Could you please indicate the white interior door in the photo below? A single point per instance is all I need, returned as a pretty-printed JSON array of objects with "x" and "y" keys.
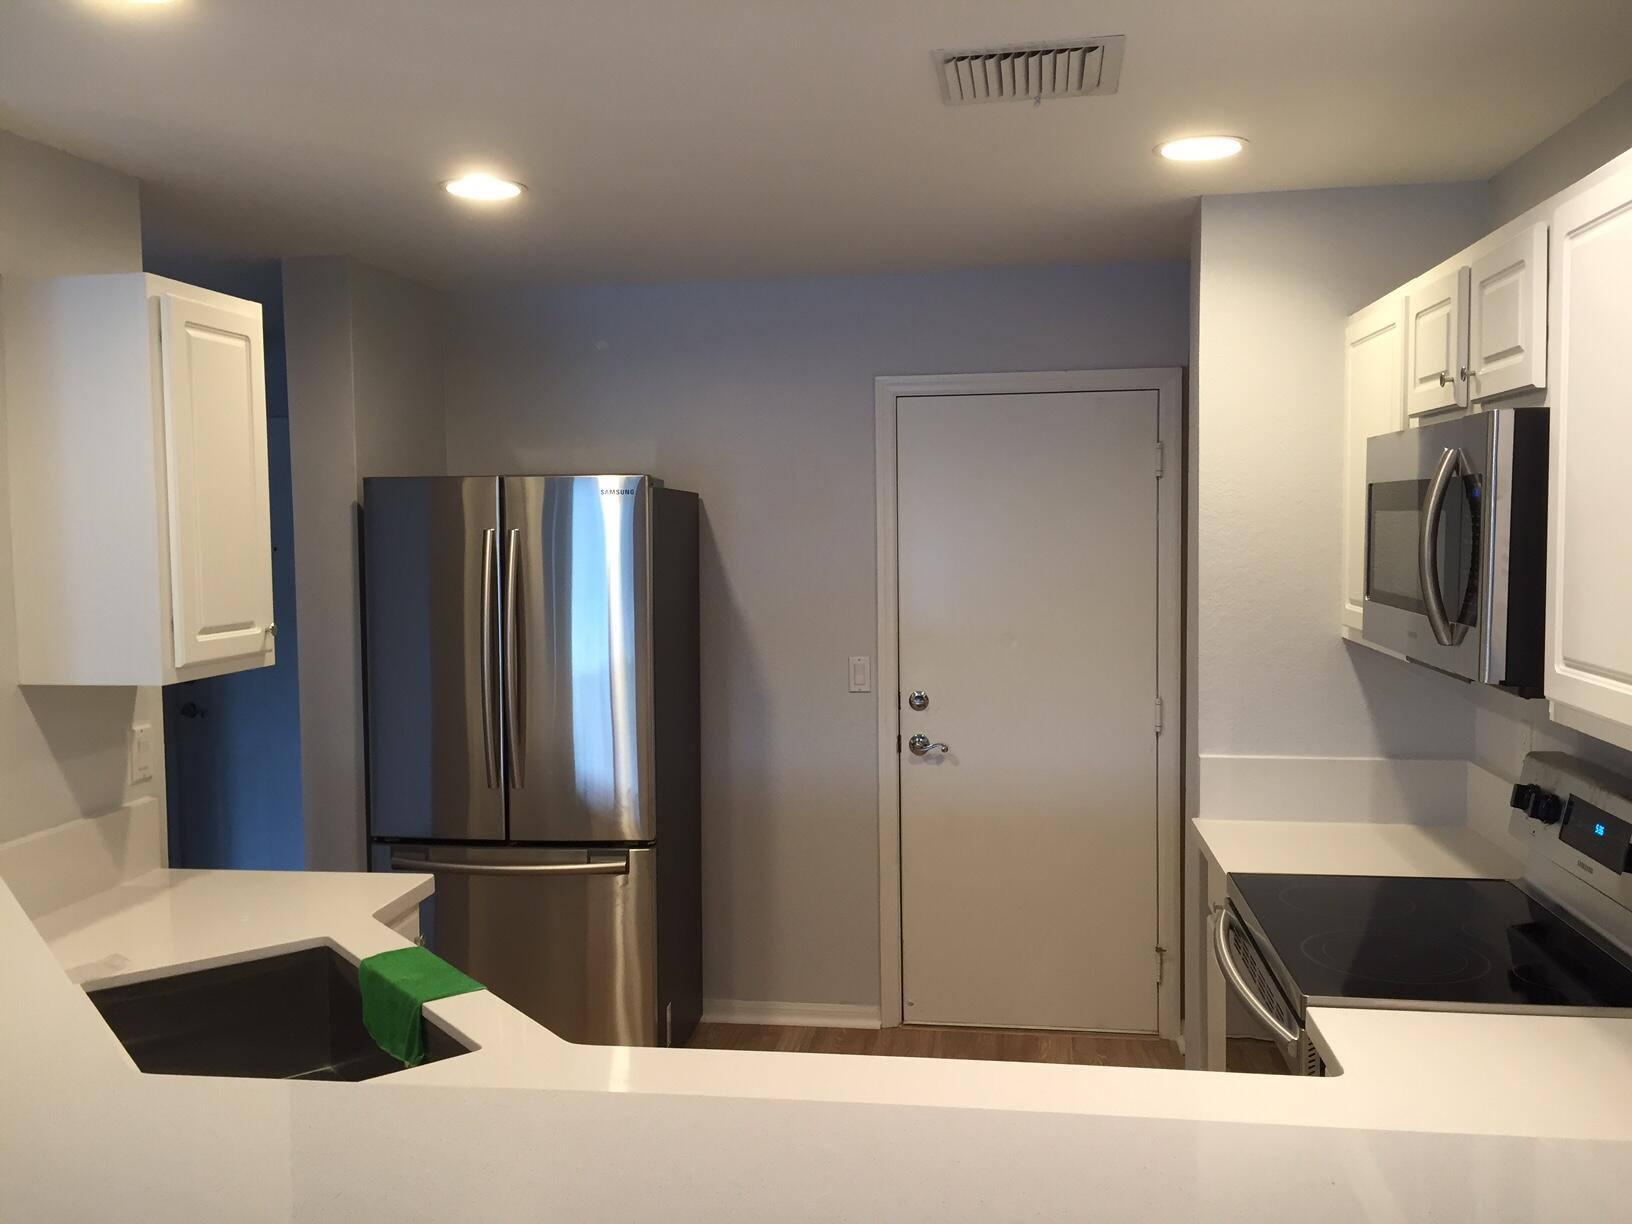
[
  {"x": 215, "y": 449},
  {"x": 1027, "y": 593}
]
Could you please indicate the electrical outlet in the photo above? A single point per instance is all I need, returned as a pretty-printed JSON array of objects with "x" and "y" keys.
[{"x": 141, "y": 752}]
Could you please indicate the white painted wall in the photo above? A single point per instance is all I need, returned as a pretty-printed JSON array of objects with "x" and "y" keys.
[
  {"x": 759, "y": 396},
  {"x": 365, "y": 351},
  {"x": 1278, "y": 275},
  {"x": 63, "y": 750}
]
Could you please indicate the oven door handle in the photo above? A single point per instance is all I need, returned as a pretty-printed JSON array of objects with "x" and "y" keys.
[
  {"x": 1222, "y": 918},
  {"x": 1433, "y": 510}
]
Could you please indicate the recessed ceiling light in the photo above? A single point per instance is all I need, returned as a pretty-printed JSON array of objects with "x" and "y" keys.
[
  {"x": 1201, "y": 148},
  {"x": 482, "y": 187}
]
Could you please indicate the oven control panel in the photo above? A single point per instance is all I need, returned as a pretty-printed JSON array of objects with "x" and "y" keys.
[
  {"x": 1601, "y": 836},
  {"x": 1578, "y": 816},
  {"x": 1538, "y": 803}
]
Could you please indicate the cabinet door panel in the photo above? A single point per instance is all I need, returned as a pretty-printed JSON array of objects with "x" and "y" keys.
[
  {"x": 1507, "y": 316},
  {"x": 1436, "y": 335},
  {"x": 215, "y": 447},
  {"x": 1590, "y": 552},
  {"x": 1374, "y": 403}
]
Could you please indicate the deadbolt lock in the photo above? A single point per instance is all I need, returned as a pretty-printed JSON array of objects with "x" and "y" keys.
[{"x": 919, "y": 700}]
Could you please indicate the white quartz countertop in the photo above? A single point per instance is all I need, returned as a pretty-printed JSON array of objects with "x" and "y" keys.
[
  {"x": 1341, "y": 848},
  {"x": 1434, "y": 1116}
]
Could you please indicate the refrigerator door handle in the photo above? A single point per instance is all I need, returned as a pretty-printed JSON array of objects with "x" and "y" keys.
[
  {"x": 490, "y": 616},
  {"x": 513, "y": 708},
  {"x": 617, "y": 866}
]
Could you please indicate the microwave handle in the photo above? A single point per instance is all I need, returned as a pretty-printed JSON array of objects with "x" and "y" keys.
[{"x": 1428, "y": 551}]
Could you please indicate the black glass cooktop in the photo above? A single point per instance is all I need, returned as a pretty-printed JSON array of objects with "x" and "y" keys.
[{"x": 1458, "y": 942}]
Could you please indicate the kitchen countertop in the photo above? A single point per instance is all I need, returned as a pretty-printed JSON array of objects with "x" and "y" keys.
[
  {"x": 1340, "y": 848},
  {"x": 1507, "y": 1116}
]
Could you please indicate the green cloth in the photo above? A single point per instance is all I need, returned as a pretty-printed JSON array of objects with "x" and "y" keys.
[{"x": 395, "y": 984}]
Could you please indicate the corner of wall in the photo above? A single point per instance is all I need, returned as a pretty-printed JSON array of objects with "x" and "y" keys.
[
  {"x": 1597, "y": 135},
  {"x": 63, "y": 750}
]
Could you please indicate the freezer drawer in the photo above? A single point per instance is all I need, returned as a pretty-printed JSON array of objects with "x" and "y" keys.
[{"x": 567, "y": 936}]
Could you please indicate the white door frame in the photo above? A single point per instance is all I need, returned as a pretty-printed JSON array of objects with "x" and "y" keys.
[{"x": 1168, "y": 383}]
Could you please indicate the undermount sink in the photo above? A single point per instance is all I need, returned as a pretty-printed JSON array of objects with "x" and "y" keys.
[{"x": 296, "y": 1015}]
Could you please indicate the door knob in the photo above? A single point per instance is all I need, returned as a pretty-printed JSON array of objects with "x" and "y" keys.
[{"x": 919, "y": 744}]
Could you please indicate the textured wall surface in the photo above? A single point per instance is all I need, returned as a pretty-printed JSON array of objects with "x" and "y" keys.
[{"x": 1278, "y": 276}]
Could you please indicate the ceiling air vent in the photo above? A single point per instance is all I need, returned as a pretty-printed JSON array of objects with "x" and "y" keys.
[{"x": 1030, "y": 71}]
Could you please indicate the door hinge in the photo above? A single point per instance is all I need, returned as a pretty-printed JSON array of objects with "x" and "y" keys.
[
  {"x": 1161, "y": 459},
  {"x": 1161, "y": 957},
  {"x": 1158, "y": 719}
]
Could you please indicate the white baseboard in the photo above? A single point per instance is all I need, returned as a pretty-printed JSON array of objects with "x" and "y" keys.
[
  {"x": 56, "y": 867},
  {"x": 815, "y": 1015}
]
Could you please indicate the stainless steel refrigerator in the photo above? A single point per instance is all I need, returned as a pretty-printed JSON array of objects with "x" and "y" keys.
[{"x": 532, "y": 680}]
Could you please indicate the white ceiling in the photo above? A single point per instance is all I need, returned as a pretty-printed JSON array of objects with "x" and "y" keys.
[{"x": 745, "y": 138}]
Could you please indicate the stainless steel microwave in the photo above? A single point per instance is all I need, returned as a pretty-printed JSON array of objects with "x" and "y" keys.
[{"x": 1456, "y": 546}]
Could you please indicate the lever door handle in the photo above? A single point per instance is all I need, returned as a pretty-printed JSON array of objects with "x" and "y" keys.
[{"x": 918, "y": 745}]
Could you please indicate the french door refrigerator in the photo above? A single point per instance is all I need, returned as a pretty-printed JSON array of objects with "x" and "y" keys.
[{"x": 532, "y": 680}]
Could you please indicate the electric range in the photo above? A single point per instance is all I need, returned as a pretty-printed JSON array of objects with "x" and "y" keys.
[{"x": 1290, "y": 942}]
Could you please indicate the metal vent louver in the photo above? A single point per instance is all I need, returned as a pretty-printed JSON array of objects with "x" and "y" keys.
[{"x": 1030, "y": 71}]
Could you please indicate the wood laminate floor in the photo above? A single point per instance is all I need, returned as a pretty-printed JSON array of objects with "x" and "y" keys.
[{"x": 1001, "y": 1045}]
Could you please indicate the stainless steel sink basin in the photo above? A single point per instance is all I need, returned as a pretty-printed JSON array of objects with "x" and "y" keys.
[{"x": 296, "y": 1015}]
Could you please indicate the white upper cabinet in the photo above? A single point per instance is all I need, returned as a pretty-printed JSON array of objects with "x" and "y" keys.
[
  {"x": 1507, "y": 316},
  {"x": 141, "y": 534},
  {"x": 215, "y": 452},
  {"x": 1436, "y": 359},
  {"x": 1589, "y": 554},
  {"x": 1373, "y": 403}
]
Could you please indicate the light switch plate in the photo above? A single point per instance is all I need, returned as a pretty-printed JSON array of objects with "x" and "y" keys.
[
  {"x": 141, "y": 752},
  {"x": 861, "y": 674}
]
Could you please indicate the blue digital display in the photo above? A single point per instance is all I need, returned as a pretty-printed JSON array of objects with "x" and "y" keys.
[{"x": 1602, "y": 836}]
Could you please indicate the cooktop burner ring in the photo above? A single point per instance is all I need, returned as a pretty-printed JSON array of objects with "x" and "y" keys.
[{"x": 1394, "y": 958}]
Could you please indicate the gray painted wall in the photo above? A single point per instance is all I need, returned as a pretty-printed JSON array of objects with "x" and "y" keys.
[
  {"x": 364, "y": 351},
  {"x": 1278, "y": 275},
  {"x": 62, "y": 750},
  {"x": 1580, "y": 146},
  {"x": 759, "y": 396}
]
